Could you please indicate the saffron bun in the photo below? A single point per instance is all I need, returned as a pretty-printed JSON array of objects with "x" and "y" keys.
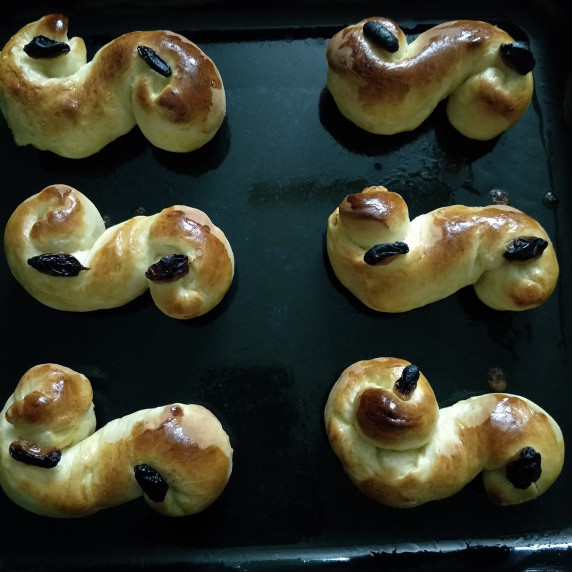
[
  {"x": 58, "y": 248},
  {"x": 54, "y": 463},
  {"x": 55, "y": 100},
  {"x": 400, "y": 449},
  {"x": 385, "y": 84},
  {"x": 394, "y": 264}
]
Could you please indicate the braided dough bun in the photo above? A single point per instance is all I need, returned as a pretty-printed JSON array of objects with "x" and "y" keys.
[
  {"x": 385, "y": 85},
  {"x": 393, "y": 264},
  {"x": 53, "y": 463},
  {"x": 59, "y": 250},
  {"x": 55, "y": 100},
  {"x": 400, "y": 449}
]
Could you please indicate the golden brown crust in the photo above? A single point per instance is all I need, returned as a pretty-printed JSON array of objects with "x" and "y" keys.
[
  {"x": 115, "y": 261},
  {"x": 385, "y": 93},
  {"x": 74, "y": 108},
  {"x": 383, "y": 414},
  {"x": 426, "y": 454},
  {"x": 50, "y": 394},
  {"x": 448, "y": 249},
  {"x": 185, "y": 444}
]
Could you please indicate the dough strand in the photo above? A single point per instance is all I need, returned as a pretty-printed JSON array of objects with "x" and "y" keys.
[
  {"x": 59, "y": 250},
  {"x": 394, "y": 264},
  {"x": 400, "y": 449},
  {"x": 54, "y": 463},
  {"x": 386, "y": 85},
  {"x": 55, "y": 100}
]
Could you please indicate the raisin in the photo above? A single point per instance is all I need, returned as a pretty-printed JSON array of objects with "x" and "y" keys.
[
  {"x": 154, "y": 61},
  {"x": 380, "y": 252},
  {"x": 525, "y": 248},
  {"x": 152, "y": 483},
  {"x": 407, "y": 383},
  {"x": 496, "y": 379},
  {"x": 35, "y": 455},
  {"x": 169, "y": 268},
  {"x": 518, "y": 57},
  {"x": 380, "y": 36},
  {"x": 499, "y": 197},
  {"x": 549, "y": 199},
  {"x": 525, "y": 469},
  {"x": 58, "y": 264},
  {"x": 44, "y": 47}
]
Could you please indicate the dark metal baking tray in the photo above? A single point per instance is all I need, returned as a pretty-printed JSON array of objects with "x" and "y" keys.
[{"x": 266, "y": 358}]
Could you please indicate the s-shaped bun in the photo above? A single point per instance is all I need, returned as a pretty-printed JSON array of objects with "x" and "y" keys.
[
  {"x": 386, "y": 85},
  {"x": 400, "y": 449},
  {"x": 55, "y": 100},
  {"x": 393, "y": 264},
  {"x": 59, "y": 250},
  {"x": 53, "y": 463}
]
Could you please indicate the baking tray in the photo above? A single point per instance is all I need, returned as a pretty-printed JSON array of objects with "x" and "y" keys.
[{"x": 265, "y": 359}]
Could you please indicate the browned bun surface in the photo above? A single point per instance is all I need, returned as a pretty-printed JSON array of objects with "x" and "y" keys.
[
  {"x": 58, "y": 248},
  {"x": 400, "y": 449},
  {"x": 386, "y": 85},
  {"x": 394, "y": 264},
  {"x": 54, "y": 463},
  {"x": 56, "y": 100}
]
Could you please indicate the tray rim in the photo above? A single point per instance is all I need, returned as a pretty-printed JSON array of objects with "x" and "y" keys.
[{"x": 518, "y": 547}]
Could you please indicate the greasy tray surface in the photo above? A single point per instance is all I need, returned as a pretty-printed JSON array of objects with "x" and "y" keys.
[{"x": 266, "y": 358}]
